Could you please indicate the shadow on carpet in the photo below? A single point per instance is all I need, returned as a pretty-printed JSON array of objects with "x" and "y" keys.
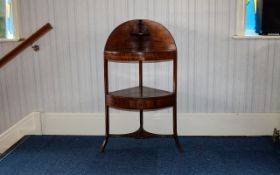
[{"x": 79, "y": 155}]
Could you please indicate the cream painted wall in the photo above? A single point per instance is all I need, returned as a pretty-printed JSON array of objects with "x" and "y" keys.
[{"x": 216, "y": 73}]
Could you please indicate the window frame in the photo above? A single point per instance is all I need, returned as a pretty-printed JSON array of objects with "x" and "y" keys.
[
  {"x": 241, "y": 18},
  {"x": 241, "y": 24},
  {"x": 15, "y": 11}
]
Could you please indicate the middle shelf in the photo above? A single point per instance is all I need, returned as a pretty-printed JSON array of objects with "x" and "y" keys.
[{"x": 133, "y": 98}]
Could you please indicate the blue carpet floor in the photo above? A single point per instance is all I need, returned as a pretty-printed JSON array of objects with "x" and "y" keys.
[{"x": 65, "y": 155}]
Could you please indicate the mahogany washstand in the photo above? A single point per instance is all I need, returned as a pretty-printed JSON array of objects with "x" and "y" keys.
[{"x": 140, "y": 41}]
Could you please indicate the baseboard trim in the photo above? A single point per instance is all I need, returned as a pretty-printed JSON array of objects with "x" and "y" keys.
[
  {"x": 29, "y": 125},
  {"x": 189, "y": 124}
]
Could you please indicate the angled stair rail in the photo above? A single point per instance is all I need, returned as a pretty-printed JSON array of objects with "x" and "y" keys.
[{"x": 25, "y": 43}]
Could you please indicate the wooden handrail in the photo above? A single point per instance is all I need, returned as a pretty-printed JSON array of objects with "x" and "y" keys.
[{"x": 26, "y": 43}]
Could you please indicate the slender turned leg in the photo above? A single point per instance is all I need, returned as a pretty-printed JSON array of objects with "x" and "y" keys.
[
  {"x": 179, "y": 146},
  {"x": 141, "y": 133},
  {"x": 102, "y": 148},
  {"x": 141, "y": 129}
]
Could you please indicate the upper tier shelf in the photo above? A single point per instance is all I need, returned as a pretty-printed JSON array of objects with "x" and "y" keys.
[{"x": 140, "y": 40}]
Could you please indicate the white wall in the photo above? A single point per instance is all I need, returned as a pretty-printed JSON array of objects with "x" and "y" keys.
[{"x": 216, "y": 73}]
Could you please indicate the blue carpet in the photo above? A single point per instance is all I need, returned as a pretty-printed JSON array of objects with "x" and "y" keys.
[{"x": 73, "y": 155}]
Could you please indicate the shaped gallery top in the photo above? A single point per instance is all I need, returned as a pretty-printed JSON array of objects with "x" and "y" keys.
[{"x": 140, "y": 40}]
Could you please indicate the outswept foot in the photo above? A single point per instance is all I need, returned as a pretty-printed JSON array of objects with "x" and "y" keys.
[
  {"x": 103, "y": 146},
  {"x": 178, "y": 144}
]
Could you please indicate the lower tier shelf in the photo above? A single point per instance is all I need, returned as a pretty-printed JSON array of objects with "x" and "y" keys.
[
  {"x": 141, "y": 134},
  {"x": 133, "y": 99}
]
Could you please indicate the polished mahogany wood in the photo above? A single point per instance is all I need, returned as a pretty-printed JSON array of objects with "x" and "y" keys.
[
  {"x": 136, "y": 56},
  {"x": 25, "y": 43},
  {"x": 140, "y": 41},
  {"x": 131, "y": 98}
]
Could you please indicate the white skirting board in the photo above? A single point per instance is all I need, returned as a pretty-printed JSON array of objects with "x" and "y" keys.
[
  {"x": 29, "y": 125},
  {"x": 189, "y": 124}
]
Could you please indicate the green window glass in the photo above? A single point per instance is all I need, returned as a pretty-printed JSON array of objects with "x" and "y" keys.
[
  {"x": 2, "y": 18},
  {"x": 6, "y": 19}
]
